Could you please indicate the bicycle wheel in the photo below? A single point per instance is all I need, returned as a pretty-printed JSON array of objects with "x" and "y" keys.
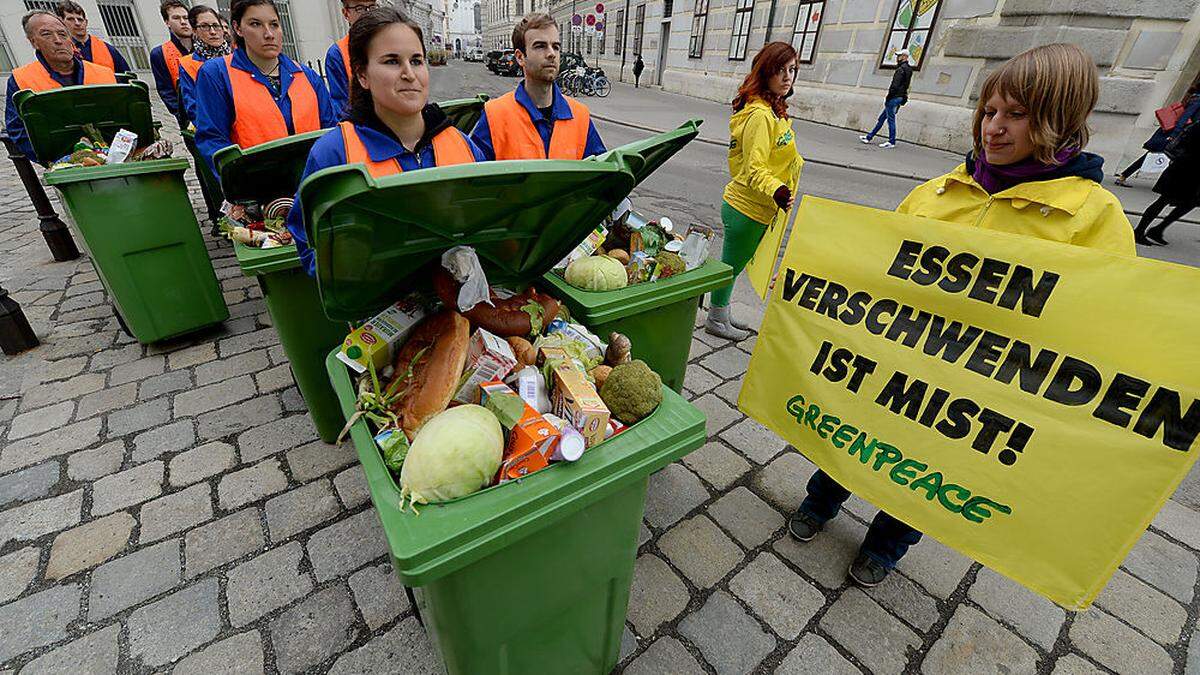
[
  {"x": 587, "y": 86},
  {"x": 603, "y": 87}
]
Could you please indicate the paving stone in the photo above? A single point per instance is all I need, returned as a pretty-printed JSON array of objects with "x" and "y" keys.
[
  {"x": 126, "y": 488},
  {"x": 224, "y": 369},
  {"x": 783, "y": 482},
  {"x": 92, "y": 654},
  {"x": 28, "y": 484},
  {"x": 250, "y": 485},
  {"x": 175, "y": 513},
  {"x": 17, "y": 570},
  {"x": 729, "y": 638},
  {"x": 87, "y": 345},
  {"x": 214, "y": 396},
  {"x": 266, "y": 583},
  {"x": 405, "y": 643},
  {"x": 266, "y": 337},
  {"x": 274, "y": 437},
  {"x": 201, "y": 462},
  {"x": 974, "y": 643},
  {"x": 351, "y": 486},
  {"x": 1193, "y": 654},
  {"x": 700, "y": 380},
  {"x": 717, "y": 464},
  {"x": 55, "y": 392},
  {"x": 698, "y": 349},
  {"x": 223, "y": 541},
  {"x": 89, "y": 545},
  {"x": 81, "y": 301},
  {"x": 64, "y": 368},
  {"x": 245, "y": 415},
  {"x": 629, "y": 645},
  {"x": 814, "y": 656},
  {"x": 96, "y": 462},
  {"x": 717, "y": 413},
  {"x": 41, "y": 420},
  {"x": 170, "y": 628},
  {"x": 166, "y": 439},
  {"x": 1164, "y": 565},
  {"x": 656, "y": 596},
  {"x": 346, "y": 545},
  {"x": 166, "y": 383},
  {"x": 937, "y": 568},
  {"x": 316, "y": 459},
  {"x": 241, "y": 654},
  {"x": 139, "y": 418},
  {"x": 777, "y": 595},
  {"x": 1117, "y": 646},
  {"x": 379, "y": 594},
  {"x": 314, "y": 630},
  {"x": 1033, "y": 616},
  {"x": 1179, "y": 522},
  {"x": 1073, "y": 664},
  {"x": 275, "y": 379},
  {"x": 855, "y": 616},
  {"x": 37, "y": 620},
  {"x": 700, "y": 550},
  {"x": 303, "y": 508},
  {"x": 672, "y": 494},
  {"x": 755, "y": 441},
  {"x": 644, "y": 534},
  {"x": 29, "y": 451},
  {"x": 114, "y": 357},
  {"x": 730, "y": 392},
  {"x": 904, "y": 598},
  {"x": 1137, "y": 603},
  {"x": 107, "y": 400},
  {"x": 665, "y": 657},
  {"x": 134, "y": 578},
  {"x": 827, "y": 557},
  {"x": 749, "y": 519},
  {"x": 32, "y": 520},
  {"x": 192, "y": 356},
  {"x": 292, "y": 400},
  {"x": 728, "y": 363},
  {"x": 137, "y": 370}
]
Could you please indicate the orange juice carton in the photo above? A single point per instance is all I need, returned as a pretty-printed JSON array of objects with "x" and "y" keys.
[
  {"x": 375, "y": 340},
  {"x": 576, "y": 401},
  {"x": 531, "y": 439},
  {"x": 488, "y": 358}
]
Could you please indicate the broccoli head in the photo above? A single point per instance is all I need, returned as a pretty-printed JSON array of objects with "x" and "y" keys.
[{"x": 632, "y": 391}]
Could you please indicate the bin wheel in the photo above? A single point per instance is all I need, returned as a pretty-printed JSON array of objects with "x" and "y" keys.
[{"x": 121, "y": 322}]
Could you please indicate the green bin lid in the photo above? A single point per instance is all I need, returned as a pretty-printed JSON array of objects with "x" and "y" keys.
[
  {"x": 370, "y": 236},
  {"x": 464, "y": 113},
  {"x": 55, "y": 118}
]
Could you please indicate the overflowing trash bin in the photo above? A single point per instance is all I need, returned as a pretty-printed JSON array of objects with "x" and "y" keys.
[
  {"x": 531, "y": 574},
  {"x": 135, "y": 218}
]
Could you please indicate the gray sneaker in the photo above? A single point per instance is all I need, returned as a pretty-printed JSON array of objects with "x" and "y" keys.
[
  {"x": 804, "y": 527},
  {"x": 867, "y": 573}
]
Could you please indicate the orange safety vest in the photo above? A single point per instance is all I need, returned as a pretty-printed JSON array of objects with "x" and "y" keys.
[
  {"x": 101, "y": 56},
  {"x": 515, "y": 137},
  {"x": 35, "y": 77},
  {"x": 256, "y": 117},
  {"x": 190, "y": 65},
  {"x": 449, "y": 147},
  {"x": 171, "y": 55},
  {"x": 344, "y": 47}
]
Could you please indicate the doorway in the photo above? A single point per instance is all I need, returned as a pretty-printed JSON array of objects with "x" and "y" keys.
[{"x": 664, "y": 40}]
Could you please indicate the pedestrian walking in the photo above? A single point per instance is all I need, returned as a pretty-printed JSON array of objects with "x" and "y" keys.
[
  {"x": 337, "y": 57},
  {"x": 897, "y": 96},
  {"x": 638, "y": 66},
  {"x": 164, "y": 59},
  {"x": 1027, "y": 175},
  {"x": 763, "y": 168},
  {"x": 1158, "y": 142},
  {"x": 392, "y": 126},
  {"x": 89, "y": 47},
  {"x": 1177, "y": 187},
  {"x": 209, "y": 44}
]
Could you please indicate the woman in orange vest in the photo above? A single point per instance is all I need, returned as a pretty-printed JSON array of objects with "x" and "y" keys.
[
  {"x": 256, "y": 94},
  {"x": 209, "y": 44},
  {"x": 392, "y": 127}
]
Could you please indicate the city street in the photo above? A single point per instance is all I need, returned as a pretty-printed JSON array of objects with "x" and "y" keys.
[{"x": 169, "y": 508}]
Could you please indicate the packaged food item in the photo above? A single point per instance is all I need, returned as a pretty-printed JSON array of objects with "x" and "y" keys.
[
  {"x": 488, "y": 358},
  {"x": 531, "y": 387},
  {"x": 378, "y": 338},
  {"x": 122, "y": 146},
  {"x": 570, "y": 446},
  {"x": 695, "y": 245},
  {"x": 639, "y": 268},
  {"x": 576, "y": 400},
  {"x": 592, "y": 346},
  {"x": 587, "y": 247},
  {"x": 552, "y": 357},
  {"x": 393, "y": 445},
  {"x": 531, "y": 439}
]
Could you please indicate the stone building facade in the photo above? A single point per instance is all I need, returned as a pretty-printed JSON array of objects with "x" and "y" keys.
[{"x": 1148, "y": 52}]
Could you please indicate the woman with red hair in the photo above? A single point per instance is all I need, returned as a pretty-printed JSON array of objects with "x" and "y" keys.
[{"x": 764, "y": 167}]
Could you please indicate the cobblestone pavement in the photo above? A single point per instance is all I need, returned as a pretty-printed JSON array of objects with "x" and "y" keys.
[{"x": 169, "y": 508}]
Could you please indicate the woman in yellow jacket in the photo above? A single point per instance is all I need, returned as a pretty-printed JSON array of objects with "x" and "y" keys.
[
  {"x": 764, "y": 166},
  {"x": 1027, "y": 175}
]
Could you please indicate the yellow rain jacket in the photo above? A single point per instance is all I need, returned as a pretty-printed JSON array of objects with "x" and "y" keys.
[
  {"x": 762, "y": 157},
  {"x": 1071, "y": 210}
]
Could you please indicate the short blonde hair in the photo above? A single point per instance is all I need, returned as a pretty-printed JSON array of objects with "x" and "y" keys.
[{"x": 1057, "y": 85}]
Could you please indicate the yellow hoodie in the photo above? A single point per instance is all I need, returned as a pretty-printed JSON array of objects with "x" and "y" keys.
[{"x": 762, "y": 157}]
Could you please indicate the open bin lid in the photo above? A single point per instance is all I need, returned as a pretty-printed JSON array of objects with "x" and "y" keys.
[
  {"x": 464, "y": 113},
  {"x": 55, "y": 118},
  {"x": 266, "y": 171},
  {"x": 644, "y": 157}
]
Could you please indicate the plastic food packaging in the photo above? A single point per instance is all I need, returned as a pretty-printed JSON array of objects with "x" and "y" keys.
[
  {"x": 531, "y": 439},
  {"x": 576, "y": 401},
  {"x": 122, "y": 146},
  {"x": 695, "y": 246},
  {"x": 587, "y": 247},
  {"x": 376, "y": 339},
  {"x": 463, "y": 264},
  {"x": 531, "y": 387},
  {"x": 570, "y": 447},
  {"x": 488, "y": 358}
]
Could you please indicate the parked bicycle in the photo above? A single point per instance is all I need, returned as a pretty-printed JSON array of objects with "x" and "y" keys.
[{"x": 584, "y": 81}]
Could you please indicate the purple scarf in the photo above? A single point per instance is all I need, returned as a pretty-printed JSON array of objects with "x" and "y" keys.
[{"x": 999, "y": 178}]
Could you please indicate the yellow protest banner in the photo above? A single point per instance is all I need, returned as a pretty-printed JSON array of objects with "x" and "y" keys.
[
  {"x": 1029, "y": 403},
  {"x": 761, "y": 266}
]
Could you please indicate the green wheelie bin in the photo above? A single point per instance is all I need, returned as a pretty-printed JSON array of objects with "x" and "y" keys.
[
  {"x": 210, "y": 187},
  {"x": 135, "y": 219},
  {"x": 531, "y": 576},
  {"x": 272, "y": 170}
]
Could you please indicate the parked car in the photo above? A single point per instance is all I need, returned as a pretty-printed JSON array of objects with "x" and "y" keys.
[
  {"x": 475, "y": 55},
  {"x": 492, "y": 60},
  {"x": 508, "y": 65}
]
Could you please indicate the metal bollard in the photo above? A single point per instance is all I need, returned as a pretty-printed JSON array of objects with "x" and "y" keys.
[
  {"x": 54, "y": 230},
  {"x": 15, "y": 333}
]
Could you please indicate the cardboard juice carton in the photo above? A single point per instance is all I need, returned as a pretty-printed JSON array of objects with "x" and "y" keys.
[
  {"x": 488, "y": 358},
  {"x": 531, "y": 438},
  {"x": 575, "y": 400},
  {"x": 375, "y": 340}
]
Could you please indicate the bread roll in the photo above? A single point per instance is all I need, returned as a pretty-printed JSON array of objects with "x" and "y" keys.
[{"x": 445, "y": 337}]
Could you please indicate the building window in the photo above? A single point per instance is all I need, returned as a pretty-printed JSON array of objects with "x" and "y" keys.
[
  {"x": 589, "y": 44},
  {"x": 520, "y": 7},
  {"x": 619, "y": 35},
  {"x": 603, "y": 39},
  {"x": 668, "y": 8},
  {"x": 699, "y": 26},
  {"x": 44, "y": 5},
  {"x": 6, "y": 58},
  {"x": 639, "y": 24},
  {"x": 741, "y": 30},
  {"x": 807, "y": 29},
  {"x": 120, "y": 21},
  {"x": 912, "y": 24}
]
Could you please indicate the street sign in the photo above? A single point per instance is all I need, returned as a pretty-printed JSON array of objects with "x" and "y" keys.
[
  {"x": 591, "y": 19},
  {"x": 577, "y": 20},
  {"x": 599, "y": 7},
  {"x": 577, "y": 30}
]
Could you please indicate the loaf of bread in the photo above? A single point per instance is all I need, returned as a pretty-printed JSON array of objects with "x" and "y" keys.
[{"x": 436, "y": 352}]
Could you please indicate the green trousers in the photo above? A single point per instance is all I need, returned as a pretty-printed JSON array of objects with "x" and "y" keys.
[{"x": 742, "y": 235}]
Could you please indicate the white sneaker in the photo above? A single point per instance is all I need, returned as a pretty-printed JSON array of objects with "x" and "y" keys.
[
  {"x": 864, "y": 139},
  {"x": 887, "y": 144}
]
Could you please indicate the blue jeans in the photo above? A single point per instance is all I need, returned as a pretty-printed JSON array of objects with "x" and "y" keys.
[
  {"x": 887, "y": 539},
  {"x": 889, "y": 115}
]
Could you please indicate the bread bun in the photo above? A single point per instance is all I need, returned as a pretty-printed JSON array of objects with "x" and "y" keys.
[{"x": 444, "y": 337}]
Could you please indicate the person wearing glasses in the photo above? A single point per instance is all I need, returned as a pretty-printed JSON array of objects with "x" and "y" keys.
[
  {"x": 164, "y": 59},
  {"x": 210, "y": 43},
  {"x": 337, "y": 58}
]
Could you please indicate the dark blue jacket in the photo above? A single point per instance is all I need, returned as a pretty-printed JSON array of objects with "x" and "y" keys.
[
  {"x": 12, "y": 119},
  {"x": 162, "y": 77}
]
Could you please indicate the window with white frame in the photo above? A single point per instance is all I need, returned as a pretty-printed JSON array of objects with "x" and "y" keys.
[
  {"x": 740, "y": 37},
  {"x": 699, "y": 27},
  {"x": 120, "y": 20},
  {"x": 911, "y": 28},
  {"x": 639, "y": 27},
  {"x": 807, "y": 29}
]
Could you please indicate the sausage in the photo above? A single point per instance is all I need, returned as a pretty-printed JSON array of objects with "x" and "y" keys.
[{"x": 505, "y": 318}]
